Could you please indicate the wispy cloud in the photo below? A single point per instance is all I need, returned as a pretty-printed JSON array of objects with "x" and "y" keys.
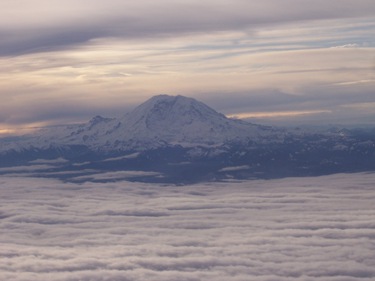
[
  {"x": 128, "y": 156},
  {"x": 29, "y": 168},
  {"x": 234, "y": 168},
  {"x": 59, "y": 160},
  {"x": 276, "y": 114},
  {"x": 118, "y": 175}
]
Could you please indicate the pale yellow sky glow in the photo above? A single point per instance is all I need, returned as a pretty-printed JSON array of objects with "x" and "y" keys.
[
  {"x": 7, "y": 131},
  {"x": 22, "y": 129},
  {"x": 237, "y": 62}
]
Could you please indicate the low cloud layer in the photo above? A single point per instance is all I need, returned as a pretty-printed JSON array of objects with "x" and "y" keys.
[{"x": 301, "y": 229}]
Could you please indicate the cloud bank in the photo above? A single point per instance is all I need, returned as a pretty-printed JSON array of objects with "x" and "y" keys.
[{"x": 300, "y": 229}]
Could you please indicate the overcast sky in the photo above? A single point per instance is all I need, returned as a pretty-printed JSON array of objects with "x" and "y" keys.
[{"x": 66, "y": 61}]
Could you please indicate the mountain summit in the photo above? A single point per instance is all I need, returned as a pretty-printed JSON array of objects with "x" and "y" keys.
[
  {"x": 182, "y": 120},
  {"x": 163, "y": 112}
]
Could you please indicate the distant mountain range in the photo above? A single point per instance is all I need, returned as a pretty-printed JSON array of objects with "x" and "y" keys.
[{"x": 177, "y": 139}]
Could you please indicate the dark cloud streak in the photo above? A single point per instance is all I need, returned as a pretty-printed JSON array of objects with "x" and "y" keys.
[{"x": 146, "y": 19}]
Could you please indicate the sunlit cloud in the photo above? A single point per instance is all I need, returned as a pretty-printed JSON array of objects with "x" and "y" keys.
[
  {"x": 7, "y": 131},
  {"x": 276, "y": 114},
  {"x": 355, "y": 82},
  {"x": 22, "y": 128}
]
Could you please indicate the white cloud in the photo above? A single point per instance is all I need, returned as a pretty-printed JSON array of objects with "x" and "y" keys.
[
  {"x": 59, "y": 160},
  {"x": 118, "y": 175},
  {"x": 128, "y": 156},
  {"x": 30, "y": 168},
  {"x": 234, "y": 168},
  {"x": 289, "y": 229},
  {"x": 353, "y": 45}
]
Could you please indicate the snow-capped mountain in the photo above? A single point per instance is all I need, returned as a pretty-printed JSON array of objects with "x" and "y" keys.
[
  {"x": 178, "y": 139},
  {"x": 162, "y": 120}
]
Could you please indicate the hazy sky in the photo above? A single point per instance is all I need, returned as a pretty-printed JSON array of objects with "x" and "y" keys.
[{"x": 65, "y": 61}]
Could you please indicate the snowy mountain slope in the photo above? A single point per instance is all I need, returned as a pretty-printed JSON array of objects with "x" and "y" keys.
[
  {"x": 162, "y": 120},
  {"x": 183, "y": 121}
]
